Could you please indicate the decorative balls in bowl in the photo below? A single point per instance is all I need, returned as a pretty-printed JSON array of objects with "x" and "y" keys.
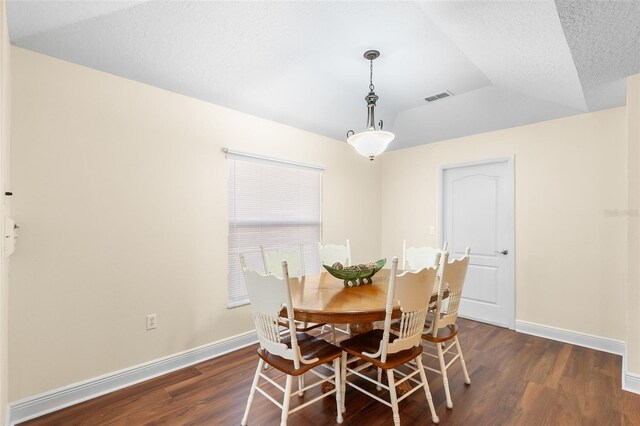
[{"x": 357, "y": 274}]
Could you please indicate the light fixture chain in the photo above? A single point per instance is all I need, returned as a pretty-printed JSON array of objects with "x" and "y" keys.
[{"x": 371, "y": 86}]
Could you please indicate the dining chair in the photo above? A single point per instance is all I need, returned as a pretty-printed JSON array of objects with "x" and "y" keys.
[
  {"x": 388, "y": 351},
  {"x": 332, "y": 253},
  {"x": 273, "y": 261},
  {"x": 329, "y": 255},
  {"x": 292, "y": 354},
  {"x": 441, "y": 329},
  {"x": 415, "y": 258}
]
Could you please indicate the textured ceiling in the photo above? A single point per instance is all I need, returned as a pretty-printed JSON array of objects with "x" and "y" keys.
[
  {"x": 604, "y": 38},
  {"x": 300, "y": 63}
]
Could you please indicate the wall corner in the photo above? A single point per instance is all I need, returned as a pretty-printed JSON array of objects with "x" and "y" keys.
[{"x": 632, "y": 296}]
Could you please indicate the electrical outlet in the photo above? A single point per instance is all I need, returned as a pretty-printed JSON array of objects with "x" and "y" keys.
[{"x": 152, "y": 321}]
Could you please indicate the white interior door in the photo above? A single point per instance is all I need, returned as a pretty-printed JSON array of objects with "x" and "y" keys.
[{"x": 477, "y": 211}]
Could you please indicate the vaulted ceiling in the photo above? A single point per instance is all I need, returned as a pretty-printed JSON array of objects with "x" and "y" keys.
[{"x": 508, "y": 63}]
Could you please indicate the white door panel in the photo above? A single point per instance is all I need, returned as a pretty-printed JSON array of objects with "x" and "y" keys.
[
  {"x": 477, "y": 211},
  {"x": 485, "y": 284},
  {"x": 473, "y": 207}
]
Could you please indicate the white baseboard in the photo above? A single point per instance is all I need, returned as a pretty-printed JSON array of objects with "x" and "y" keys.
[
  {"x": 56, "y": 399},
  {"x": 599, "y": 343},
  {"x": 631, "y": 382}
]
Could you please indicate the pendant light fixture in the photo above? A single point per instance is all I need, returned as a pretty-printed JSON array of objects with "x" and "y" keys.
[{"x": 370, "y": 142}]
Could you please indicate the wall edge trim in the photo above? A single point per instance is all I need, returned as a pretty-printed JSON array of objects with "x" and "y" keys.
[
  {"x": 590, "y": 341},
  {"x": 56, "y": 399}
]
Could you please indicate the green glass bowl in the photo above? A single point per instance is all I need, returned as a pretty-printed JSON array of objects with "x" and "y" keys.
[{"x": 355, "y": 278}]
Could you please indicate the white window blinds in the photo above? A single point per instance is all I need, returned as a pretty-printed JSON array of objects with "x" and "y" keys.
[{"x": 277, "y": 205}]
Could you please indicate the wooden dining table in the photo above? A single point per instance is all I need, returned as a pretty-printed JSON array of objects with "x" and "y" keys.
[{"x": 322, "y": 298}]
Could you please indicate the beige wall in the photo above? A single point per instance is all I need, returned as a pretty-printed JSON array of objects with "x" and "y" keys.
[
  {"x": 633, "y": 288},
  {"x": 570, "y": 257},
  {"x": 120, "y": 192},
  {"x": 5, "y": 120}
]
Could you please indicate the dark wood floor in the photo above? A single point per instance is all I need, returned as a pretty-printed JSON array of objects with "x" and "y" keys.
[{"x": 516, "y": 379}]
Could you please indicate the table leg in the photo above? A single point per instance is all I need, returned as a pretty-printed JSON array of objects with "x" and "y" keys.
[{"x": 359, "y": 328}]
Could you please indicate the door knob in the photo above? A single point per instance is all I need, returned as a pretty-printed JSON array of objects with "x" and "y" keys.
[{"x": 505, "y": 252}]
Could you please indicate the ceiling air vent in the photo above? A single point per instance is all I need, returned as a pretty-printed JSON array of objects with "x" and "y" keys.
[{"x": 438, "y": 96}]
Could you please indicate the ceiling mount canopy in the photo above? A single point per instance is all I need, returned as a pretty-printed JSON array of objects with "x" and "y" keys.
[
  {"x": 370, "y": 142},
  {"x": 370, "y": 55}
]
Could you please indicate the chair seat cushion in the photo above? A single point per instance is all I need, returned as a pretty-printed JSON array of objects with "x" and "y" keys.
[
  {"x": 444, "y": 334},
  {"x": 370, "y": 342},
  {"x": 310, "y": 347}
]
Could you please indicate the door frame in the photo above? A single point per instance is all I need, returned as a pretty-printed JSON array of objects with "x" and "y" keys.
[{"x": 510, "y": 182}]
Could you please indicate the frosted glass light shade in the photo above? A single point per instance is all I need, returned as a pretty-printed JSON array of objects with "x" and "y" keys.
[{"x": 371, "y": 142}]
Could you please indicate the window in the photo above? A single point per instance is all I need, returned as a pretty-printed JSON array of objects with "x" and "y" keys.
[{"x": 274, "y": 204}]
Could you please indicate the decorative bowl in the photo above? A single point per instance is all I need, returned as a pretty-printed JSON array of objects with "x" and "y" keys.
[{"x": 357, "y": 277}]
